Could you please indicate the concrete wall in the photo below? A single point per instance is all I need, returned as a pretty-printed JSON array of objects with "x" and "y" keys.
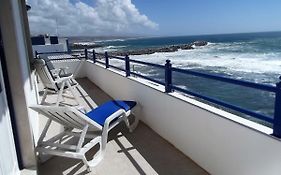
[
  {"x": 49, "y": 48},
  {"x": 221, "y": 143},
  {"x": 20, "y": 76},
  {"x": 73, "y": 66},
  {"x": 8, "y": 161}
]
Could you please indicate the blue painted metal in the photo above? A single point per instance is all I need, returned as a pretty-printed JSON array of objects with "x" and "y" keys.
[
  {"x": 36, "y": 54},
  {"x": 101, "y": 54},
  {"x": 38, "y": 40},
  {"x": 277, "y": 112},
  {"x": 227, "y": 80},
  {"x": 64, "y": 52},
  {"x": 54, "y": 40},
  {"x": 118, "y": 68},
  {"x": 147, "y": 78},
  {"x": 86, "y": 54},
  {"x": 168, "y": 76},
  {"x": 227, "y": 105},
  {"x": 127, "y": 65},
  {"x": 106, "y": 60},
  {"x": 118, "y": 58},
  {"x": 148, "y": 64},
  {"x": 67, "y": 46},
  {"x": 169, "y": 87},
  {"x": 97, "y": 61},
  {"x": 94, "y": 56}
]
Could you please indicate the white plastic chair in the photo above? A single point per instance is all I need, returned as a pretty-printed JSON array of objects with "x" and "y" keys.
[
  {"x": 55, "y": 83},
  {"x": 77, "y": 124}
]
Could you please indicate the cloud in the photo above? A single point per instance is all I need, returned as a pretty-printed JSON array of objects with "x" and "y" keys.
[{"x": 106, "y": 17}]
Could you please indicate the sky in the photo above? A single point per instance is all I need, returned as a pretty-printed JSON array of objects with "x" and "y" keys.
[{"x": 153, "y": 17}]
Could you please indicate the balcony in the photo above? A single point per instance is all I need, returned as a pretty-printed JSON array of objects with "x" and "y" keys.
[
  {"x": 140, "y": 152},
  {"x": 177, "y": 135}
]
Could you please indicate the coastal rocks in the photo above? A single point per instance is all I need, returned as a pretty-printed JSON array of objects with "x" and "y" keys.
[
  {"x": 200, "y": 43},
  {"x": 172, "y": 48},
  {"x": 84, "y": 45},
  {"x": 186, "y": 47}
]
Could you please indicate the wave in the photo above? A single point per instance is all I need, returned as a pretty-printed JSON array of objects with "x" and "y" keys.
[
  {"x": 115, "y": 47},
  {"x": 220, "y": 56},
  {"x": 110, "y": 40},
  {"x": 84, "y": 43}
]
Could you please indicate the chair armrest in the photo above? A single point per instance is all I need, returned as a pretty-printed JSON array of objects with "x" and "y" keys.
[
  {"x": 63, "y": 79},
  {"x": 55, "y": 72},
  {"x": 115, "y": 115},
  {"x": 59, "y": 71},
  {"x": 63, "y": 70}
]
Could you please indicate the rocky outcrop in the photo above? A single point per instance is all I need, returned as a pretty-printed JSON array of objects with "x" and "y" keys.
[
  {"x": 145, "y": 51},
  {"x": 84, "y": 46},
  {"x": 200, "y": 43},
  {"x": 172, "y": 48}
]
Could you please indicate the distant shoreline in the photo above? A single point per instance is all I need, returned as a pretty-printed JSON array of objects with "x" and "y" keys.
[
  {"x": 142, "y": 51},
  {"x": 173, "y": 48}
]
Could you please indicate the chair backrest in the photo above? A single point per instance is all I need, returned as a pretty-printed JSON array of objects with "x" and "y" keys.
[
  {"x": 45, "y": 74},
  {"x": 66, "y": 116}
]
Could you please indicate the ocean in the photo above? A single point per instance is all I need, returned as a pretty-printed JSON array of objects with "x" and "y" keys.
[{"x": 254, "y": 57}]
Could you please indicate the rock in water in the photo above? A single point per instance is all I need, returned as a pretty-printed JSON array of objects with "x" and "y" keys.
[{"x": 200, "y": 43}]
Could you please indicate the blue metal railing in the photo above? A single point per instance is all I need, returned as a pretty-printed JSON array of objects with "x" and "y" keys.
[{"x": 169, "y": 87}]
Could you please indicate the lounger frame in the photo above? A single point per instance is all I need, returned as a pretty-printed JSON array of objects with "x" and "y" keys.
[
  {"x": 77, "y": 124},
  {"x": 54, "y": 85}
]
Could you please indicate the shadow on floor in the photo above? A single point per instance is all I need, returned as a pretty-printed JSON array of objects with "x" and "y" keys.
[{"x": 140, "y": 152}]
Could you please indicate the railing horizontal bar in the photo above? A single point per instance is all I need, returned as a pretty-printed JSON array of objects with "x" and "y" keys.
[
  {"x": 102, "y": 54},
  {"x": 148, "y": 64},
  {"x": 97, "y": 61},
  {"x": 227, "y": 105},
  {"x": 147, "y": 78},
  {"x": 115, "y": 67},
  {"x": 264, "y": 87},
  {"x": 61, "y": 59},
  {"x": 115, "y": 57},
  {"x": 52, "y": 52}
]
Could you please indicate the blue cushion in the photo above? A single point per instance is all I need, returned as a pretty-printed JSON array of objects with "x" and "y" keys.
[{"x": 101, "y": 113}]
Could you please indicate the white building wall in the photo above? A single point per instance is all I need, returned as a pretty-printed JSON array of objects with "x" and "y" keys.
[
  {"x": 20, "y": 76},
  {"x": 49, "y": 48},
  {"x": 73, "y": 66},
  {"x": 221, "y": 143},
  {"x": 8, "y": 161}
]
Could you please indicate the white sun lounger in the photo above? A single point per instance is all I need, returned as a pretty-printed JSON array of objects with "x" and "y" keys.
[
  {"x": 56, "y": 84},
  {"x": 77, "y": 124}
]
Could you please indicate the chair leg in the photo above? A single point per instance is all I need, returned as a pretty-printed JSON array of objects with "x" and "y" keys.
[
  {"x": 86, "y": 163},
  {"x": 72, "y": 91},
  {"x": 60, "y": 93},
  {"x": 44, "y": 96},
  {"x": 97, "y": 157},
  {"x": 132, "y": 126}
]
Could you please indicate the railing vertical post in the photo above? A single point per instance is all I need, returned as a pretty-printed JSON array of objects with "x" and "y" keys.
[
  {"x": 277, "y": 111},
  {"x": 127, "y": 65},
  {"x": 67, "y": 46},
  {"x": 94, "y": 56},
  {"x": 36, "y": 54},
  {"x": 86, "y": 54},
  {"x": 168, "y": 76},
  {"x": 106, "y": 60}
]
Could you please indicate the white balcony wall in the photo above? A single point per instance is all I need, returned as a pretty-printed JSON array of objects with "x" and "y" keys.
[
  {"x": 214, "y": 139},
  {"x": 73, "y": 66},
  {"x": 49, "y": 48}
]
